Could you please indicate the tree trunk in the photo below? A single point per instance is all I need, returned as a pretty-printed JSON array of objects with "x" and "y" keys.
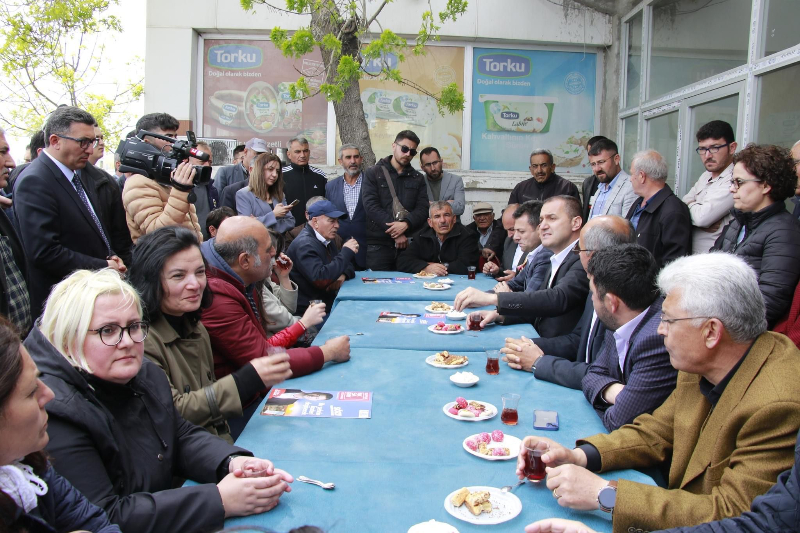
[{"x": 349, "y": 110}]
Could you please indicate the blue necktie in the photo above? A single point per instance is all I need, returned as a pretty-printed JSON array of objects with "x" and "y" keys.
[{"x": 85, "y": 199}]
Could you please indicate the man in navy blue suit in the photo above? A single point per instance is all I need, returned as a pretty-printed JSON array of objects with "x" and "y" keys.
[
  {"x": 632, "y": 373},
  {"x": 345, "y": 193}
]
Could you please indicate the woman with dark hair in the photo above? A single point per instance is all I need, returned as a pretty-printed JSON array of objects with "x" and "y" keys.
[
  {"x": 169, "y": 272},
  {"x": 33, "y": 497},
  {"x": 762, "y": 231},
  {"x": 117, "y": 437},
  {"x": 263, "y": 197}
]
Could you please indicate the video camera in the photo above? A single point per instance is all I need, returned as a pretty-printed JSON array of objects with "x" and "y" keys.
[{"x": 139, "y": 157}]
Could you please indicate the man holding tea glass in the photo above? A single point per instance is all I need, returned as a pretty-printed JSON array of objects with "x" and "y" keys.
[{"x": 725, "y": 433}]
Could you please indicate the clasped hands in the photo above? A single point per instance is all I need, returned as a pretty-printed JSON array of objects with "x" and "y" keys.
[
  {"x": 572, "y": 484},
  {"x": 243, "y": 495},
  {"x": 397, "y": 232}
]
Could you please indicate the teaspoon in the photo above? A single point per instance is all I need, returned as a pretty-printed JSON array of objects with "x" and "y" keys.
[{"x": 304, "y": 479}]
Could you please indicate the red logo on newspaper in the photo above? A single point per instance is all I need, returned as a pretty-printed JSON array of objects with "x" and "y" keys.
[{"x": 352, "y": 396}]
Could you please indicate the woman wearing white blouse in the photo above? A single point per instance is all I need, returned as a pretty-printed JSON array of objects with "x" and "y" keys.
[{"x": 263, "y": 198}]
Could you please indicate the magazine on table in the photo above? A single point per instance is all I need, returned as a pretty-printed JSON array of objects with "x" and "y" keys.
[{"x": 313, "y": 403}]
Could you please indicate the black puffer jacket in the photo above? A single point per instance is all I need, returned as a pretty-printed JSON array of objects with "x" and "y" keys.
[
  {"x": 411, "y": 191},
  {"x": 459, "y": 250},
  {"x": 771, "y": 245},
  {"x": 122, "y": 445}
]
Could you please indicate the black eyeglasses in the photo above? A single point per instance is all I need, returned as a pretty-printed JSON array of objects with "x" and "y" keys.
[
  {"x": 577, "y": 248},
  {"x": 737, "y": 182},
  {"x": 406, "y": 150},
  {"x": 426, "y": 165},
  {"x": 670, "y": 321},
  {"x": 84, "y": 143},
  {"x": 702, "y": 150},
  {"x": 111, "y": 334}
]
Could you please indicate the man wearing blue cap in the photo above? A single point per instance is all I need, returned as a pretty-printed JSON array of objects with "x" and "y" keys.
[{"x": 319, "y": 267}]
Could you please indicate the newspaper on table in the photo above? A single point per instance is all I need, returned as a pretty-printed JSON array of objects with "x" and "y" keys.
[{"x": 318, "y": 403}]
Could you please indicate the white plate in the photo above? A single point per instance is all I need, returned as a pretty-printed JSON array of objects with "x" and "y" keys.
[
  {"x": 460, "y": 330},
  {"x": 509, "y": 441},
  {"x": 457, "y": 315},
  {"x": 424, "y": 277},
  {"x": 430, "y": 309},
  {"x": 442, "y": 288},
  {"x": 489, "y": 412},
  {"x": 432, "y": 526},
  {"x": 430, "y": 358},
  {"x": 505, "y": 506}
]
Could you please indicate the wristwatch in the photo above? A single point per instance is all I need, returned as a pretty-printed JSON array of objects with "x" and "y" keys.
[
  {"x": 533, "y": 365},
  {"x": 607, "y": 497}
]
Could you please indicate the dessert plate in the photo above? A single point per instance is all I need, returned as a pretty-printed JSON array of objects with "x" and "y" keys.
[
  {"x": 489, "y": 412},
  {"x": 430, "y": 359},
  {"x": 432, "y": 329},
  {"x": 430, "y": 309},
  {"x": 424, "y": 276},
  {"x": 509, "y": 441},
  {"x": 436, "y": 286},
  {"x": 505, "y": 506}
]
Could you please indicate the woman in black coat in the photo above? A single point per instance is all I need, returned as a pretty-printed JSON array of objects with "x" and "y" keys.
[
  {"x": 116, "y": 435},
  {"x": 762, "y": 232},
  {"x": 33, "y": 497}
]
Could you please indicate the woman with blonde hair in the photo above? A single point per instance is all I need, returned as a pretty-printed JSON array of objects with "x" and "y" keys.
[
  {"x": 116, "y": 435},
  {"x": 263, "y": 198}
]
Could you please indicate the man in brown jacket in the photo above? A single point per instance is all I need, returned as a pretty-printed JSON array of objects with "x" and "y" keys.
[{"x": 727, "y": 430}]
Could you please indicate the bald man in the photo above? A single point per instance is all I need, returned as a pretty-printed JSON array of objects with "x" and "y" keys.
[
  {"x": 240, "y": 257},
  {"x": 565, "y": 359}
]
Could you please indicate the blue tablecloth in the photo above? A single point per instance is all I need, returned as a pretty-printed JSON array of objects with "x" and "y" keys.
[
  {"x": 356, "y": 289},
  {"x": 359, "y": 320},
  {"x": 395, "y": 469}
]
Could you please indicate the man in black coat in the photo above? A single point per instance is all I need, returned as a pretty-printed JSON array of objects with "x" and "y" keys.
[
  {"x": 491, "y": 235},
  {"x": 662, "y": 221},
  {"x": 301, "y": 181},
  {"x": 57, "y": 207},
  {"x": 111, "y": 212},
  {"x": 557, "y": 306},
  {"x": 545, "y": 183},
  {"x": 15, "y": 301},
  {"x": 387, "y": 230},
  {"x": 319, "y": 267},
  {"x": 565, "y": 359},
  {"x": 443, "y": 241}
]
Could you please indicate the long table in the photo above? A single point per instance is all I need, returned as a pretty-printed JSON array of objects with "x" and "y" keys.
[
  {"x": 356, "y": 289},
  {"x": 358, "y": 318},
  {"x": 396, "y": 469}
]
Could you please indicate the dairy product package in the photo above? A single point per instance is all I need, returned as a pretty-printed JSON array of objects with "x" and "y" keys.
[
  {"x": 291, "y": 112},
  {"x": 525, "y": 114},
  {"x": 399, "y": 106}
]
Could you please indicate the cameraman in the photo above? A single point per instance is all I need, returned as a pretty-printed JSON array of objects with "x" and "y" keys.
[{"x": 150, "y": 205}]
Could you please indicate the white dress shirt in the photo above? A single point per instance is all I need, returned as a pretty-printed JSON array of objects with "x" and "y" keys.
[
  {"x": 622, "y": 337},
  {"x": 557, "y": 259}
]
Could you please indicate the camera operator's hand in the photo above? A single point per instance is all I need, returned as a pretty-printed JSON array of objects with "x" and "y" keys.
[{"x": 184, "y": 174}]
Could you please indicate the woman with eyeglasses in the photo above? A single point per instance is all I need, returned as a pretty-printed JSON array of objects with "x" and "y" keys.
[
  {"x": 115, "y": 433},
  {"x": 33, "y": 497},
  {"x": 762, "y": 231},
  {"x": 263, "y": 197},
  {"x": 169, "y": 272}
]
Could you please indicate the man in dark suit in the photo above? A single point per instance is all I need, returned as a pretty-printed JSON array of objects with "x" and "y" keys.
[
  {"x": 513, "y": 256},
  {"x": 15, "y": 301},
  {"x": 345, "y": 193},
  {"x": 537, "y": 260},
  {"x": 558, "y": 304},
  {"x": 565, "y": 359},
  {"x": 57, "y": 207},
  {"x": 632, "y": 374},
  {"x": 663, "y": 222},
  {"x": 110, "y": 211}
]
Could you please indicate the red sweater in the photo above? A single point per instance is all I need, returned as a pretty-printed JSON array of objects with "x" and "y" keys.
[{"x": 237, "y": 335}]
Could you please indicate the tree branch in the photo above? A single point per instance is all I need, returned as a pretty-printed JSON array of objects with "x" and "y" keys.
[{"x": 377, "y": 12}]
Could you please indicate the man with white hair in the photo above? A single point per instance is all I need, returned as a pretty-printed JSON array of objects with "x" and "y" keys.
[
  {"x": 345, "y": 193},
  {"x": 726, "y": 432},
  {"x": 662, "y": 221}
]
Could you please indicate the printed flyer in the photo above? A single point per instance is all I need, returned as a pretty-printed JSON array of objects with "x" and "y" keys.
[
  {"x": 246, "y": 95},
  {"x": 528, "y": 99},
  {"x": 387, "y": 280},
  {"x": 392, "y": 317},
  {"x": 318, "y": 404}
]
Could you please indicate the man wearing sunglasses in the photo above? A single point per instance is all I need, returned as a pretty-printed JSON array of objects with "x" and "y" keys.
[
  {"x": 388, "y": 224},
  {"x": 709, "y": 200},
  {"x": 58, "y": 210}
]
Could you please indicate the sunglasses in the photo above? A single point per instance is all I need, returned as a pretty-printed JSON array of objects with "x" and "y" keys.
[{"x": 406, "y": 150}]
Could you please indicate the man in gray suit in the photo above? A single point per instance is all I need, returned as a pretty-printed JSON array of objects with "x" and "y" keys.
[
  {"x": 614, "y": 194},
  {"x": 442, "y": 185}
]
